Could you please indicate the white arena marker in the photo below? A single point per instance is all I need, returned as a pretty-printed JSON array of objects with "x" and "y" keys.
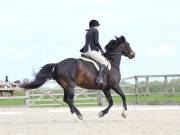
[{"x": 10, "y": 113}]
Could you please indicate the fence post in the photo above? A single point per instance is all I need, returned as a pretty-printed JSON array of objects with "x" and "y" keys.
[
  {"x": 147, "y": 85},
  {"x": 173, "y": 91},
  {"x": 166, "y": 84},
  {"x": 136, "y": 89},
  {"x": 100, "y": 98},
  {"x": 27, "y": 99},
  {"x": 26, "y": 93}
]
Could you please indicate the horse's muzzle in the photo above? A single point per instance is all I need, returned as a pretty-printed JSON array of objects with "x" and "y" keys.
[{"x": 132, "y": 54}]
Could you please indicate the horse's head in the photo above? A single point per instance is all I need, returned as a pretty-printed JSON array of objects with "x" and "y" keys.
[{"x": 120, "y": 46}]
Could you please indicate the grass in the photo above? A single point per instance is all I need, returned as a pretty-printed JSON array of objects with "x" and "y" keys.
[
  {"x": 159, "y": 99},
  {"x": 7, "y": 102},
  {"x": 144, "y": 100},
  {"x": 151, "y": 100}
]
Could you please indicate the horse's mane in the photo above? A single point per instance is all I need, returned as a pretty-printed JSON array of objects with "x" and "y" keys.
[
  {"x": 110, "y": 45},
  {"x": 114, "y": 43}
]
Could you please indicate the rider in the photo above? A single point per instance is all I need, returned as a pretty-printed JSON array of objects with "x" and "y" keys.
[
  {"x": 92, "y": 48},
  {"x": 6, "y": 79}
]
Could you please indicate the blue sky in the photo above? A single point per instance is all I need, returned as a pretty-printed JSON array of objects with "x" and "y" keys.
[{"x": 37, "y": 32}]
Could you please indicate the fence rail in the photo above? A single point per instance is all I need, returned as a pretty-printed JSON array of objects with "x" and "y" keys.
[
  {"x": 147, "y": 78},
  {"x": 38, "y": 97}
]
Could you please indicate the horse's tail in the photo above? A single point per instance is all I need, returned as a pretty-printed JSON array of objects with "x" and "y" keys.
[{"x": 46, "y": 73}]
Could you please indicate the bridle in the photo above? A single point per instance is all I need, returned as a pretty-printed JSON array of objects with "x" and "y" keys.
[
  {"x": 120, "y": 52},
  {"x": 116, "y": 53}
]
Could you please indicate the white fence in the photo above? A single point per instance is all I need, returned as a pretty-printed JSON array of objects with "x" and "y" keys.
[{"x": 54, "y": 96}]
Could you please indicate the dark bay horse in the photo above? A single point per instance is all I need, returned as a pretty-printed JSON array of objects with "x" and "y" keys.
[{"x": 71, "y": 72}]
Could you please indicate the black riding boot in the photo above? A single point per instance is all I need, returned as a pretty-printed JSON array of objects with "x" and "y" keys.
[{"x": 100, "y": 77}]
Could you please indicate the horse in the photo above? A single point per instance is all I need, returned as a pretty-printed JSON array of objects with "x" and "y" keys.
[
  {"x": 8, "y": 85},
  {"x": 73, "y": 72}
]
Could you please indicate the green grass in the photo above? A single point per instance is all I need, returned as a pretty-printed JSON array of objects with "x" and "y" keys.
[
  {"x": 149, "y": 100},
  {"x": 159, "y": 99},
  {"x": 7, "y": 102}
]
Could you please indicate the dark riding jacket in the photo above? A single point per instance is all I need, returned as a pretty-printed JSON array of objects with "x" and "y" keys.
[{"x": 92, "y": 41}]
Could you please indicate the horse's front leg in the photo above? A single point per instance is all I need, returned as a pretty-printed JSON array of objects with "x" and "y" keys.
[
  {"x": 107, "y": 93},
  {"x": 118, "y": 90}
]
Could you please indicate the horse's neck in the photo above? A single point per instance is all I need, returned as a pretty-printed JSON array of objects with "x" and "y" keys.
[{"x": 115, "y": 60}]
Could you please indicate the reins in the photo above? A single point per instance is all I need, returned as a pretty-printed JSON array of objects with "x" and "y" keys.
[
  {"x": 116, "y": 53},
  {"x": 113, "y": 63}
]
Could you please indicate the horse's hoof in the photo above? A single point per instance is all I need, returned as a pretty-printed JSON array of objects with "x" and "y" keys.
[
  {"x": 80, "y": 117},
  {"x": 76, "y": 118},
  {"x": 124, "y": 114},
  {"x": 101, "y": 114}
]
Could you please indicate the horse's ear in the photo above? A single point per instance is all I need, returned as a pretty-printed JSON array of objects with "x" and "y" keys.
[
  {"x": 123, "y": 39},
  {"x": 116, "y": 37}
]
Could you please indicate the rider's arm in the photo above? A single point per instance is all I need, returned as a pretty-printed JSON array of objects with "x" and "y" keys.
[{"x": 96, "y": 40}]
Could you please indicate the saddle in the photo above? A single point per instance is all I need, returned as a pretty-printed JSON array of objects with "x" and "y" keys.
[{"x": 95, "y": 63}]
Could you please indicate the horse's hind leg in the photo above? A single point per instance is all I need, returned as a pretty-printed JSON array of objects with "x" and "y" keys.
[
  {"x": 107, "y": 93},
  {"x": 69, "y": 99}
]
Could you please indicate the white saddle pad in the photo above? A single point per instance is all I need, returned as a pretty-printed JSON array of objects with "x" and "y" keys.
[{"x": 95, "y": 63}]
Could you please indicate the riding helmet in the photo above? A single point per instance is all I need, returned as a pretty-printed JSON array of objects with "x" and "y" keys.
[{"x": 93, "y": 23}]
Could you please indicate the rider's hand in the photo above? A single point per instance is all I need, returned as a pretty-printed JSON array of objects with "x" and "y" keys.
[{"x": 102, "y": 52}]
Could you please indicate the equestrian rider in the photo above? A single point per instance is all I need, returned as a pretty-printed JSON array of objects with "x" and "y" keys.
[{"x": 92, "y": 48}]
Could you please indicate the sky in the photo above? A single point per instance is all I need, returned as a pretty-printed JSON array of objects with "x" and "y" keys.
[{"x": 36, "y": 32}]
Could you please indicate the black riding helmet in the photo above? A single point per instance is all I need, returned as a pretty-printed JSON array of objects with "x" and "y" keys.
[{"x": 93, "y": 23}]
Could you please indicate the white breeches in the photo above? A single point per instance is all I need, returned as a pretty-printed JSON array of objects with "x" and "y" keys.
[{"x": 97, "y": 57}]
